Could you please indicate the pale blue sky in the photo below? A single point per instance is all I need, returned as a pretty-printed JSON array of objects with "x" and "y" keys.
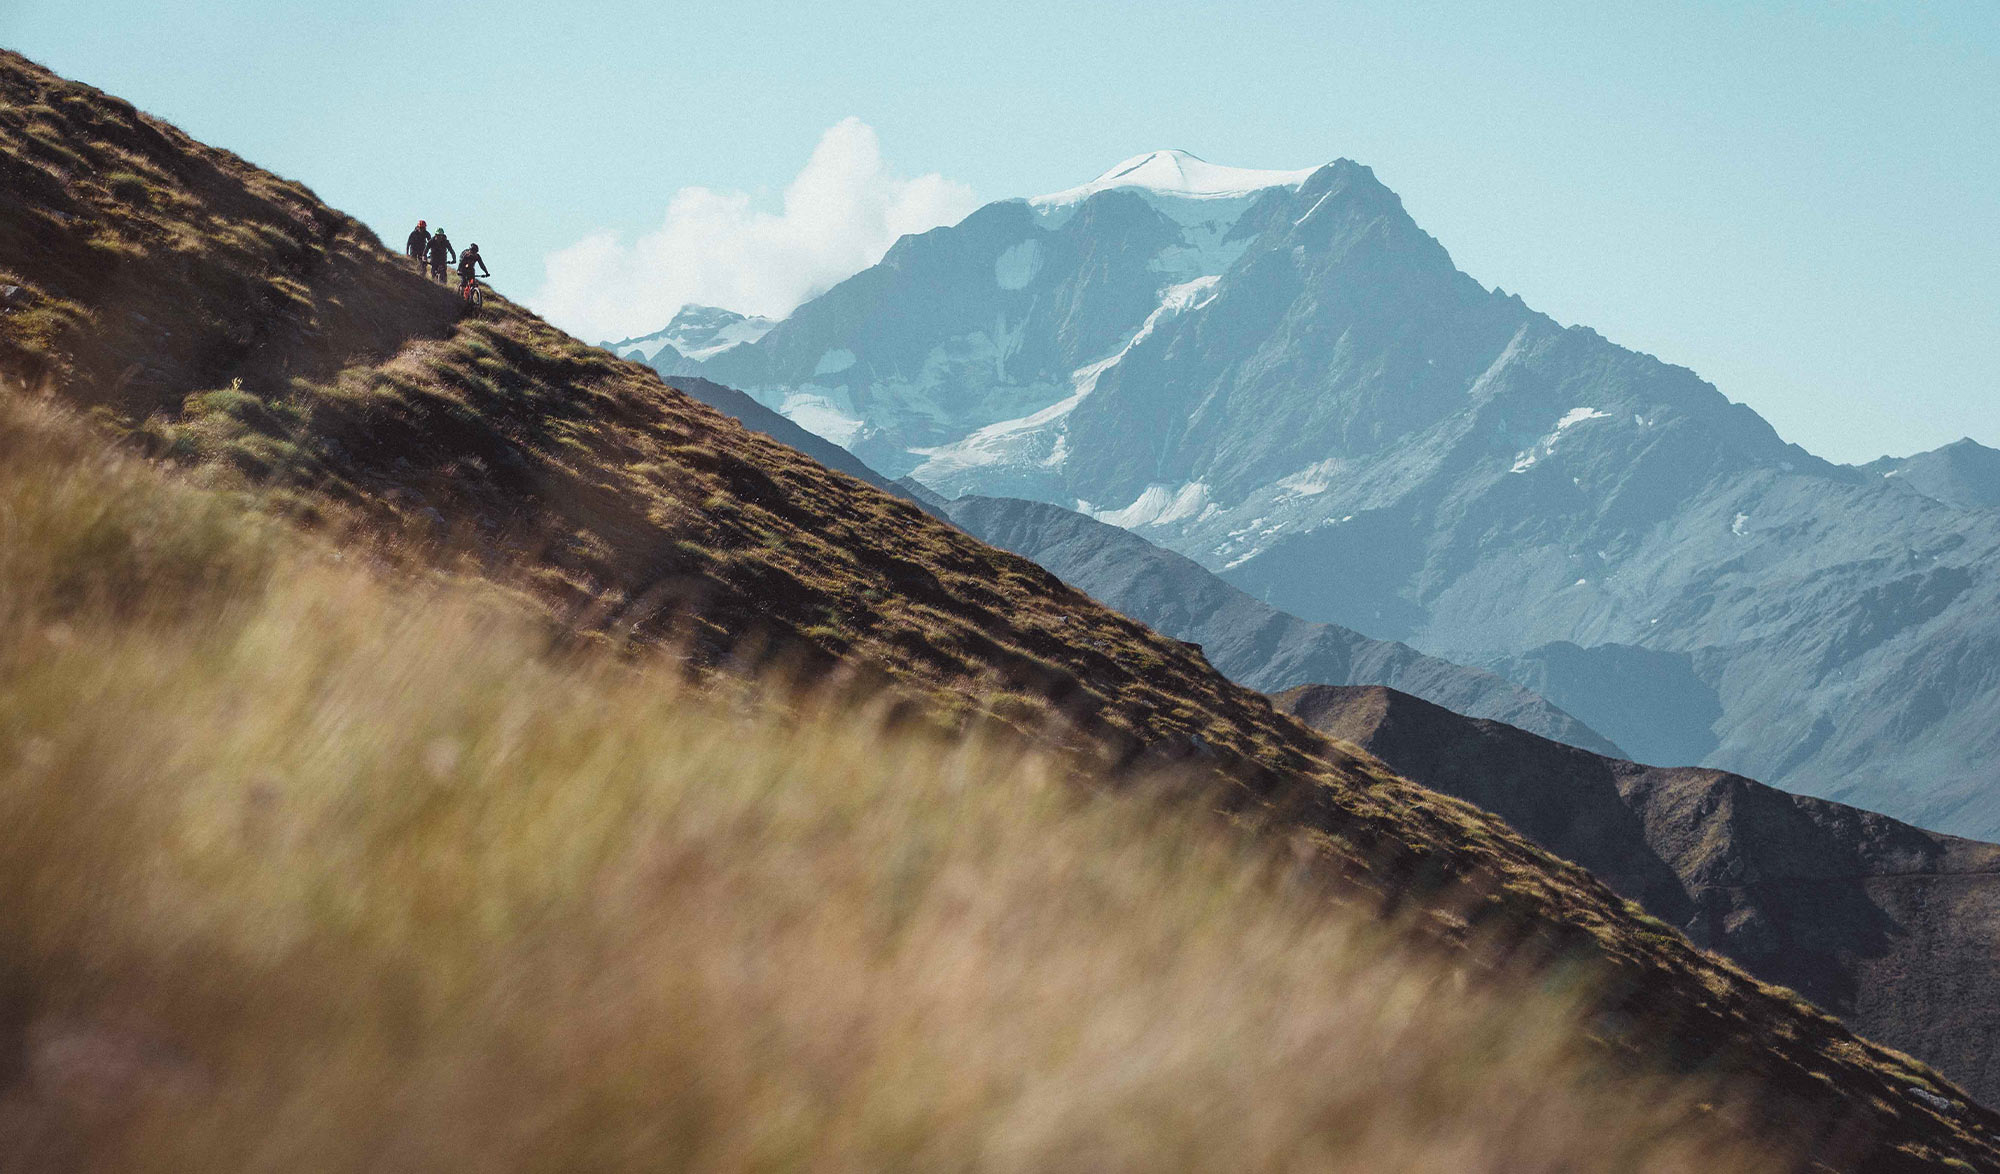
[{"x": 1799, "y": 201}]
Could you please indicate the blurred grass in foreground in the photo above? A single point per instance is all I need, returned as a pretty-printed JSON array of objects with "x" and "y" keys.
[{"x": 307, "y": 867}]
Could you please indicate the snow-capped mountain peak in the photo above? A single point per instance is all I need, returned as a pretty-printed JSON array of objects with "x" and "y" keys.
[
  {"x": 1177, "y": 173},
  {"x": 697, "y": 332},
  {"x": 1281, "y": 376}
]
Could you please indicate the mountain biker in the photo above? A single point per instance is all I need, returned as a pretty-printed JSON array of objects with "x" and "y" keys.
[
  {"x": 441, "y": 254},
  {"x": 419, "y": 245},
  {"x": 467, "y": 262}
]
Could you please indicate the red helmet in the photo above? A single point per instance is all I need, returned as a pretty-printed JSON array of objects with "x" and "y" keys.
[{"x": 420, "y": 224}]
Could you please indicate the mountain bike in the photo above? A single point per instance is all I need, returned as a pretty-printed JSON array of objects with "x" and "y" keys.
[{"x": 471, "y": 292}]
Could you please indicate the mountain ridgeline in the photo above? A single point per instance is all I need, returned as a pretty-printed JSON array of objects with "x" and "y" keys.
[
  {"x": 1888, "y": 925},
  {"x": 1280, "y": 376},
  {"x": 1962, "y": 473},
  {"x": 1254, "y": 643},
  {"x": 226, "y": 323}
]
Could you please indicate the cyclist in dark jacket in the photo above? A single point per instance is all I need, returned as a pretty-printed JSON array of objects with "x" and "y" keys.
[
  {"x": 419, "y": 245},
  {"x": 469, "y": 262},
  {"x": 441, "y": 254}
]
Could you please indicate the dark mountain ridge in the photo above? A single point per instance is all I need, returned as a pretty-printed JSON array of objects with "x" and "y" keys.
[{"x": 1892, "y": 927}]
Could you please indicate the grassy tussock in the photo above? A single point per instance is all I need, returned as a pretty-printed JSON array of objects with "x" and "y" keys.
[{"x": 302, "y": 869}]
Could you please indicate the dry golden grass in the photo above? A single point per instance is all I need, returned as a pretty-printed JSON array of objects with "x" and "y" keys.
[
  {"x": 301, "y": 868},
  {"x": 222, "y": 318}
]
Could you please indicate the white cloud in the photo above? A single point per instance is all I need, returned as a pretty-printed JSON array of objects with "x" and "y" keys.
[{"x": 840, "y": 215}]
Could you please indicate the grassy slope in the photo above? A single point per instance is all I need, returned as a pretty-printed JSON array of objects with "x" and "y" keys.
[
  {"x": 222, "y": 317},
  {"x": 306, "y": 867}
]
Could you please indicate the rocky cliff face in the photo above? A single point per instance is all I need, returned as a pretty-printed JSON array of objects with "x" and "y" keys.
[
  {"x": 1894, "y": 928},
  {"x": 1282, "y": 377}
]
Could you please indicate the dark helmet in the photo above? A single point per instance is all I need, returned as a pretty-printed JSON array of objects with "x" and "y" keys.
[{"x": 472, "y": 248}]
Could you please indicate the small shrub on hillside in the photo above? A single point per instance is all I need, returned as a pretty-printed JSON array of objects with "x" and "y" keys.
[{"x": 130, "y": 187}]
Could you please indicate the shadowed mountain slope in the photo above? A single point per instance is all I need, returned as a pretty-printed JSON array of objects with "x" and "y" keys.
[
  {"x": 1894, "y": 928},
  {"x": 225, "y": 319},
  {"x": 1254, "y": 644},
  {"x": 1288, "y": 380},
  {"x": 758, "y": 418},
  {"x": 1251, "y": 643}
]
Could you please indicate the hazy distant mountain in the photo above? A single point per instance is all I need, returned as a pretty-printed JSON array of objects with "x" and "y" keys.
[
  {"x": 1280, "y": 376},
  {"x": 752, "y": 414},
  {"x": 696, "y": 333},
  {"x": 1249, "y": 641},
  {"x": 1846, "y": 906},
  {"x": 1655, "y": 699},
  {"x": 1964, "y": 472}
]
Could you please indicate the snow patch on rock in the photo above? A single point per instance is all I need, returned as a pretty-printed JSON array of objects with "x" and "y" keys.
[
  {"x": 1205, "y": 249},
  {"x": 816, "y": 411},
  {"x": 1016, "y": 267},
  {"x": 834, "y": 362},
  {"x": 734, "y": 335},
  {"x": 697, "y": 332},
  {"x": 1576, "y": 416},
  {"x": 1034, "y": 439},
  {"x": 1160, "y": 505},
  {"x": 1312, "y": 480},
  {"x": 1176, "y": 300},
  {"x": 1040, "y": 438},
  {"x": 1529, "y": 457}
]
